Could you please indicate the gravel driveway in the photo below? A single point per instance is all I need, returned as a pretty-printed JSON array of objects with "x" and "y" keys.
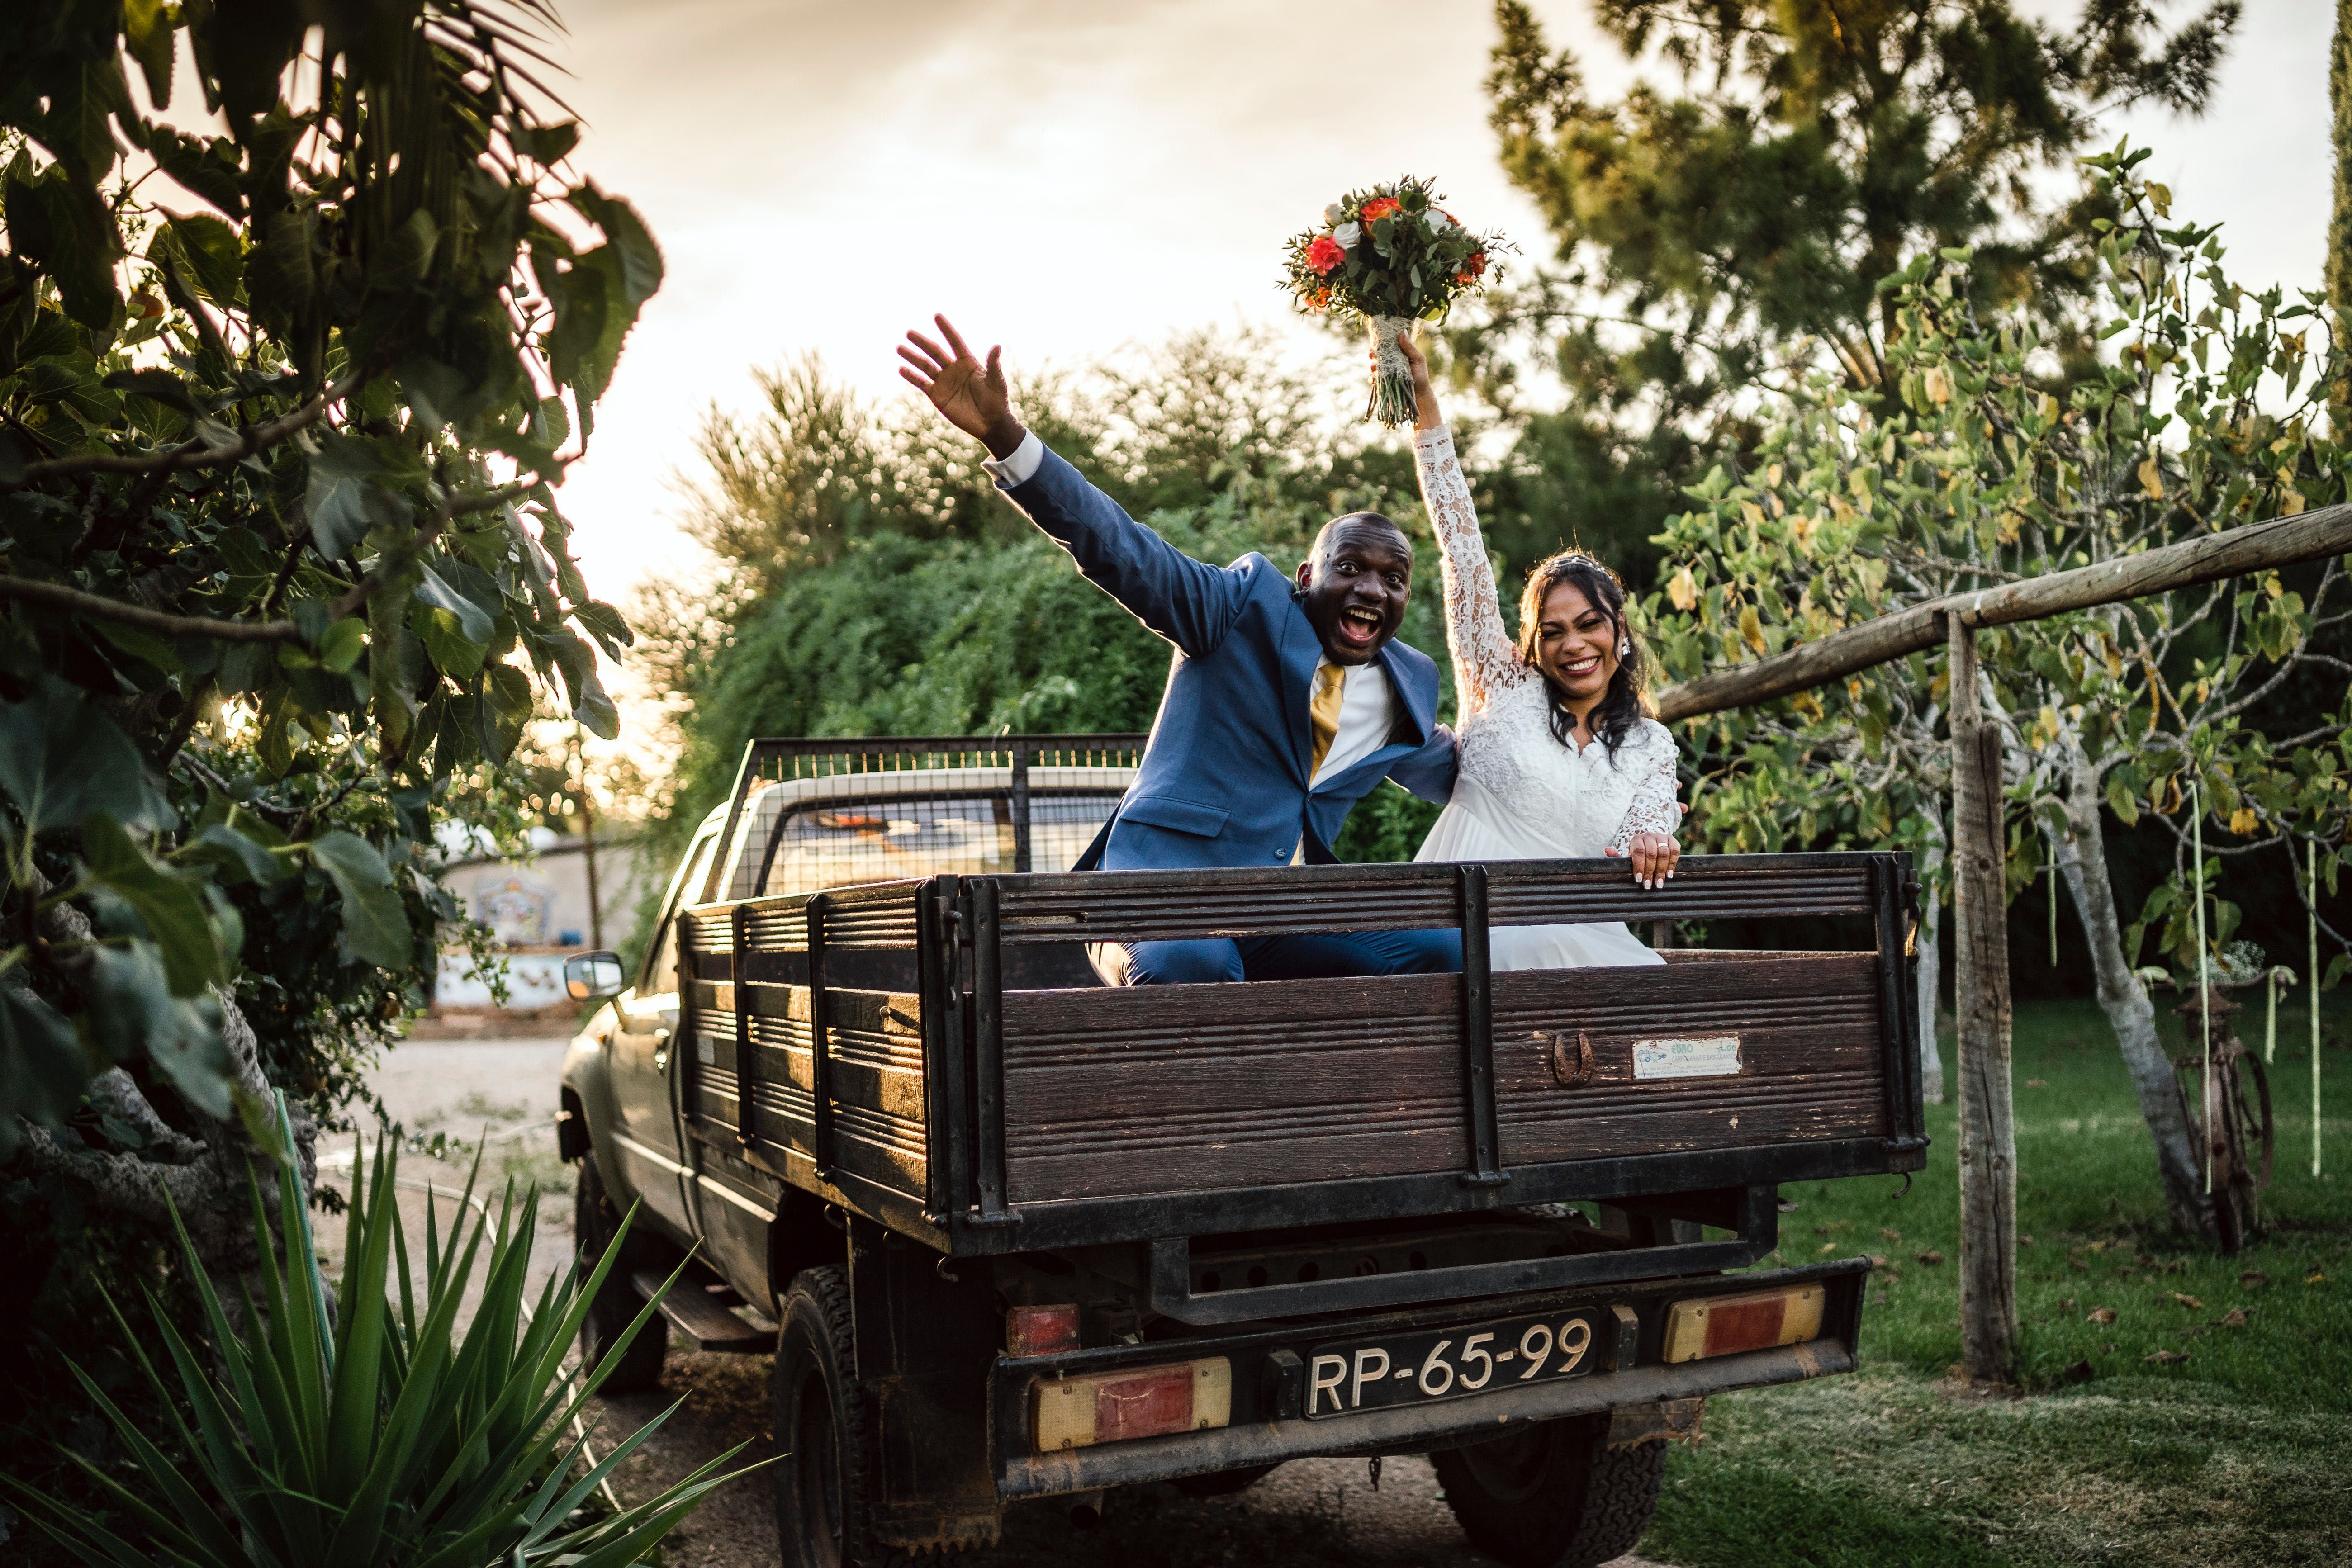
[{"x": 1311, "y": 1513}]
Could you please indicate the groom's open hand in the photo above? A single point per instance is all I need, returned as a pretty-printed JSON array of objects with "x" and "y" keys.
[{"x": 972, "y": 395}]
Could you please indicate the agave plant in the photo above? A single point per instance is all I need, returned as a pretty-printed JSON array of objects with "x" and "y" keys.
[{"x": 376, "y": 1435}]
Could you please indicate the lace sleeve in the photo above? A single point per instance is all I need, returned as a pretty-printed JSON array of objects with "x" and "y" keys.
[
  {"x": 1484, "y": 658},
  {"x": 1654, "y": 808}
]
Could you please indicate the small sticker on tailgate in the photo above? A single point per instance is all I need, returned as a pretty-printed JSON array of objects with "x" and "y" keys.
[{"x": 1709, "y": 1056}]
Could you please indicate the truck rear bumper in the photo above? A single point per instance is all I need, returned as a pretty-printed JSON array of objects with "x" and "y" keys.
[{"x": 1261, "y": 1433}]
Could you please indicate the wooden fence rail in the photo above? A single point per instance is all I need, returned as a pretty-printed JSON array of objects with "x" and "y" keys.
[{"x": 2263, "y": 547}]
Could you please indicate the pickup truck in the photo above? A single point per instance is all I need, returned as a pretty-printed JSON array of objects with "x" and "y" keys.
[{"x": 1009, "y": 1233}]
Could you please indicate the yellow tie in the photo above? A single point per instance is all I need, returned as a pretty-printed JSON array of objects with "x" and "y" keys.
[{"x": 1323, "y": 714}]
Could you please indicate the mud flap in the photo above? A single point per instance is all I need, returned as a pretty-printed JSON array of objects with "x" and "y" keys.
[
  {"x": 925, "y": 1344},
  {"x": 1676, "y": 1420}
]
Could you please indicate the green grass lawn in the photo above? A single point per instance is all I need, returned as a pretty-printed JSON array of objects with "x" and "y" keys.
[{"x": 2238, "y": 1452}]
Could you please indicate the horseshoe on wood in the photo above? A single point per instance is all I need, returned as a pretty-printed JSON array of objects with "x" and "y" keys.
[{"x": 1572, "y": 1063}]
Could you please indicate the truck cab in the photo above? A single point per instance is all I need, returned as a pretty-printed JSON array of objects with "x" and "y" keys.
[{"x": 1009, "y": 1233}]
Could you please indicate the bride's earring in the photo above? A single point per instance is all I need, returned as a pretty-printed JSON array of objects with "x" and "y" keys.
[{"x": 1624, "y": 647}]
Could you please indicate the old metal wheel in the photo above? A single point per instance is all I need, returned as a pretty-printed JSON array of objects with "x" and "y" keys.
[
  {"x": 594, "y": 1220},
  {"x": 1554, "y": 1495}
]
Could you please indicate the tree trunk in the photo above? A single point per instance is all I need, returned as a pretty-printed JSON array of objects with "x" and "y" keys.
[
  {"x": 205, "y": 1182},
  {"x": 2083, "y": 861},
  {"x": 1988, "y": 1155},
  {"x": 1931, "y": 979}
]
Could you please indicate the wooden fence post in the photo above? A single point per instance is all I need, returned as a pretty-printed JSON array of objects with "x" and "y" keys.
[{"x": 1987, "y": 1153}]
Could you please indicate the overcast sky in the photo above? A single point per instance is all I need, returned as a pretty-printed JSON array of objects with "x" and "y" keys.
[{"x": 1069, "y": 177}]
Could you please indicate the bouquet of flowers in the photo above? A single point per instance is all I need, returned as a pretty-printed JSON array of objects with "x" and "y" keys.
[{"x": 1391, "y": 255}]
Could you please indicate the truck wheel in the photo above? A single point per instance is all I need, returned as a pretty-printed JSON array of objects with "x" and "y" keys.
[
  {"x": 1224, "y": 1483},
  {"x": 821, "y": 1422},
  {"x": 1554, "y": 1496},
  {"x": 617, "y": 1303}
]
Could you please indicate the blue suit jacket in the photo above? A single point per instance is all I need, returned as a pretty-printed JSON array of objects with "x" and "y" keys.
[{"x": 1223, "y": 780}]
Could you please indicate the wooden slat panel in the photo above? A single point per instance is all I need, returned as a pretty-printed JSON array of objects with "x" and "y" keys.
[
  {"x": 1187, "y": 1087},
  {"x": 1198, "y": 1087},
  {"x": 1728, "y": 887},
  {"x": 877, "y": 1075},
  {"x": 1149, "y": 905},
  {"x": 1809, "y": 1031}
]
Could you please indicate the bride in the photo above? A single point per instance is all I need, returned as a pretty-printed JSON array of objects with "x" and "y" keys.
[{"x": 1559, "y": 759}]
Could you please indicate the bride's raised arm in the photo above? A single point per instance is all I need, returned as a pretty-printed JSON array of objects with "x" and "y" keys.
[{"x": 1484, "y": 656}]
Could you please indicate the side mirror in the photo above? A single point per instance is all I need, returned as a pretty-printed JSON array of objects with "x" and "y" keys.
[{"x": 591, "y": 976}]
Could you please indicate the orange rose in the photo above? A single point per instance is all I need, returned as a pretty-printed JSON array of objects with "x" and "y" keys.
[{"x": 1379, "y": 207}]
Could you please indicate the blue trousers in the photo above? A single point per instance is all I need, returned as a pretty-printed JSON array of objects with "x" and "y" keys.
[{"x": 1320, "y": 955}]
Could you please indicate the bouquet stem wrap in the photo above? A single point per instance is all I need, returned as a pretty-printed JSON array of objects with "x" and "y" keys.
[{"x": 1391, "y": 401}]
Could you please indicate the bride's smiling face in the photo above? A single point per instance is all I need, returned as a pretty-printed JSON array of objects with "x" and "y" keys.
[{"x": 1576, "y": 643}]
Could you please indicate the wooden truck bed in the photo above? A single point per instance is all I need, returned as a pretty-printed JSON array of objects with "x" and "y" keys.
[{"x": 967, "y": 1088}]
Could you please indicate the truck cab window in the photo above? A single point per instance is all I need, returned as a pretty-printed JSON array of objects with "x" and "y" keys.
[{"x": 661, "y": 969}]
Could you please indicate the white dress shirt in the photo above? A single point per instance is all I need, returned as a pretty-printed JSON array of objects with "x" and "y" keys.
[{"x": 1018, "y": 467}]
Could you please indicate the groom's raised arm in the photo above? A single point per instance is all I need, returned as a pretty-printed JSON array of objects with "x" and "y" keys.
[{"x": 1186, "y": 601}]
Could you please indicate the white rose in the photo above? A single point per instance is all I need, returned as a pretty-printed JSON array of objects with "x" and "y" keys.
[
  {"x": 1346, "y": 234},
  {"x": 1438, "y": 222},
  {"x": 1333, "y": 214}
]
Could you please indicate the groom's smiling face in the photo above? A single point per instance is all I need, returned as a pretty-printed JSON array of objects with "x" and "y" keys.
[{"x": 1356, "y": 584}]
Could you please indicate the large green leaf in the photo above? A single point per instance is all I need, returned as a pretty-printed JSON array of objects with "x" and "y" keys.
[
  {"x": 473, "y": 622},
  {"x": 210, "y": 256},
  {"x": 133, "y": 1012},
  {"x": 171, "y": 904},
  {"x": 60, "y": 223},
  {"x": 354, "y": 486},
  {"x": 60, "y": 761},
  {"x": 41, "y": 1065},
  {"x": 375, "y": 926}
]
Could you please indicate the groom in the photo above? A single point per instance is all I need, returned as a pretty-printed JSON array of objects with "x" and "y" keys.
[{"x": 1286, "y": 703}]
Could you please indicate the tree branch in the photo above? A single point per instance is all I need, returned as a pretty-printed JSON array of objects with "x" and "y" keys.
[
  {"x": 194, "y": 454},
  {"x": 57, "y": 597}
]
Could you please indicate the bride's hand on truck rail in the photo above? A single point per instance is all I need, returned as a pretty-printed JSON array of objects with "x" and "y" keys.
[{"x": 1654, "y": 857}]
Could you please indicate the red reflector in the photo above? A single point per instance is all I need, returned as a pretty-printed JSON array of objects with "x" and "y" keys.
[
  {"x": 1726, "y": 1325},
  {"x": 1035, "y": 1330},
  {"x": 1115, "y": 1406},
  {"x": 1744, "y": 1326},
  {"x": 1145, "y": 1404}
]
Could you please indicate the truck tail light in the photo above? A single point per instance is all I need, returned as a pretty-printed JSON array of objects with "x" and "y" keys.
[
  {"x": 1036, "y": 1330},
  {"x": 1139, "y": 1402},
  {"x": 1759, "y": 1320}
]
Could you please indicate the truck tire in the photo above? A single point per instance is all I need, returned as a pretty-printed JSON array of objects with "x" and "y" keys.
[
  {"x": 1554, "y": 1496},
  {"x": 616, "y": 1304},
  {"x": 820, "y": 1423}
]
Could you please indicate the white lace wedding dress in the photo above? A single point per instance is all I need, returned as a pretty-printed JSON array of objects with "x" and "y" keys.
[{"x": 1521, "y": 795}]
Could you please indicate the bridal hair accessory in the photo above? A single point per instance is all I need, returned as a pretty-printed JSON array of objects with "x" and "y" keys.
[{"x": 1391, "y": 255}]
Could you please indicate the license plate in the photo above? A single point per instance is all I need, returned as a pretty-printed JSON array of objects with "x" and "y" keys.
[{"x": 1447, "y": 1364}]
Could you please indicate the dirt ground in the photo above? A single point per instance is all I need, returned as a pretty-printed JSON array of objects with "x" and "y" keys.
[{"x": 1308, "y": 1514}]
